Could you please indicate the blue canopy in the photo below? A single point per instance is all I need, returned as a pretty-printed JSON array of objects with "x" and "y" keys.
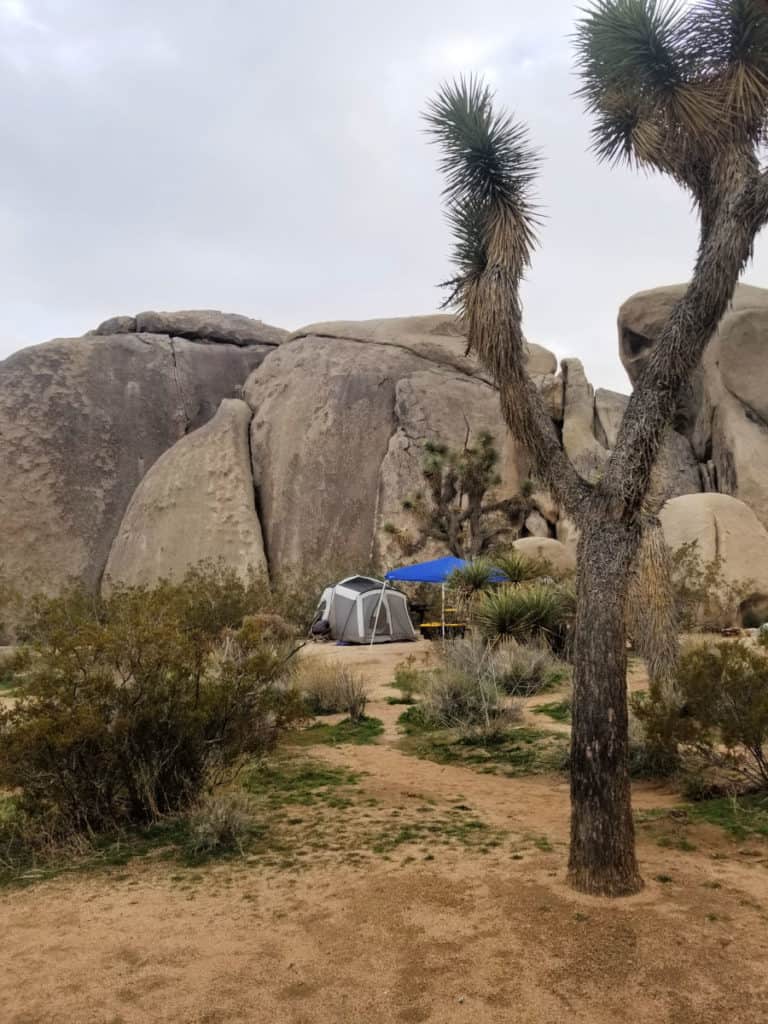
[{"x": 436, "y": 571}]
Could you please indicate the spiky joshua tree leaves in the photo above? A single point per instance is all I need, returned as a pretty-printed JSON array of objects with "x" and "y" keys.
[{"x": 678, "y": 90}]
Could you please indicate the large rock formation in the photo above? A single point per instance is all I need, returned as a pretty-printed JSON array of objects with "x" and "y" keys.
[
  {"x": 336, "y": 415},
  {"x": 341, "y": 414},
  {"x": 195, "y": 504},
  {"x": 724, "y": 413},
  {"x": 82, "y": 420},
  {"x": 726, "y": 530}
]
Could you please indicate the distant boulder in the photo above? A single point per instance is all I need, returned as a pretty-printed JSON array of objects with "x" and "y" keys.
[
  {"x": 82, "y": 420},
  {"x": 195, "y": 504}
]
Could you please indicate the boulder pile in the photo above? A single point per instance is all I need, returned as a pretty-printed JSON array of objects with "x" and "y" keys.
[{"x": 161, "y": 439}]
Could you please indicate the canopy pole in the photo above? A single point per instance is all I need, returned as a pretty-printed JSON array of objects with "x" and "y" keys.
[
  {"x": 442, "y": 607},
  {"x": 378, "y": 610}
]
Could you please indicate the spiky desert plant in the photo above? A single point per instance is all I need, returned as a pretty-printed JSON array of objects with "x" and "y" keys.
[
  {"x": 533, "y": 611},
  {"x": 678, "y": 90},
  {"x": 516, "y": 568}
]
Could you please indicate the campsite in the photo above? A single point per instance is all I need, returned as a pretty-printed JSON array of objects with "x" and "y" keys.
[
  {"x": 384, "y": 512},
  {"x": 419, "y": 890}
]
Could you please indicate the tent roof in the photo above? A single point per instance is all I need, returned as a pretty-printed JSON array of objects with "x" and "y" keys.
[
  {"x": 436, "y": 571},
  {"x": 360, "y": 584}
]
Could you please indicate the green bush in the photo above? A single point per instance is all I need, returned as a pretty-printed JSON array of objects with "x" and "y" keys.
[
  {"x": 526, "y": 612},
  {"x": 133, "y": 705},
  {"x": 719, "y": 708},
  {"x": 409, "y": 680},
  {"x": 702, "y": 597}
]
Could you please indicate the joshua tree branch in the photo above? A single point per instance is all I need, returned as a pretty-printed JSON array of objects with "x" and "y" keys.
[{"x": 726, "y": 247}]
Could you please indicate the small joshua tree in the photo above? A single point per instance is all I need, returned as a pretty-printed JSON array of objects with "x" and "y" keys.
[
  {"x": 456, "y": 508},
  {"x": 681, "y": 90}
]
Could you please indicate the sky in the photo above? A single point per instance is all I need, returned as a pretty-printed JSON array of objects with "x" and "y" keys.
[{"x": 269, "y": 159}]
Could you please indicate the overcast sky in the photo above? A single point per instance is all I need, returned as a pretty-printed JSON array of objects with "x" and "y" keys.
[{"x": 268, "y": 159}]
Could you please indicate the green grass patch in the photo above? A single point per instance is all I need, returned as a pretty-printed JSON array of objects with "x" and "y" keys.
[
  {"x": 743, "y": 817},
  {"x": 299, "y": 812},
  {"x": 559, "y": 711},
  {"x": 455, "y": 826},
  {"x": 8, "y": 681},
  {"x": 281, "y": 782},
  {"x": 517, "y": 751},
  {"x": 366, "y": 730}
]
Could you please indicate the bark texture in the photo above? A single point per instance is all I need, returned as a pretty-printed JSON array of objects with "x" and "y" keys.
[{"x": 602, "y": 855}]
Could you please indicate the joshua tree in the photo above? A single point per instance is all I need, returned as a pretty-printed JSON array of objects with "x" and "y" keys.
[
  {"x": 456, "y": 509},
  {"x": 682, "y": 91}
]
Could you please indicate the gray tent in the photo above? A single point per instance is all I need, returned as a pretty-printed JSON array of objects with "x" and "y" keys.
[{"x": 360, "y": 610}]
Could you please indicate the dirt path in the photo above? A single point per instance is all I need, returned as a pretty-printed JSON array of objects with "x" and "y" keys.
[{"x": 461, "y": 936}]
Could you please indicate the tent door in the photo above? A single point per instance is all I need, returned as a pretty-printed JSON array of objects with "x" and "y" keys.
[{"x": 384, "y": 625}]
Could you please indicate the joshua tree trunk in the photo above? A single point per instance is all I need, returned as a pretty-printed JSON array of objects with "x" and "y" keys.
[
  {"x": 602, "y": 856},
  {"x": 489, "y": 168}
]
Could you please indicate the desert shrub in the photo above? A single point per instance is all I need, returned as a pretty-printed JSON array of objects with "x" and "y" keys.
[
  {"x": 409, "y": 680},
  {"x": 8, "y": 600},
  {"x": 701, "y": 595},
  {"x": 464, "y": 692},
  {"x": 653, "y": 751},
  {"x": 134, "y": 704},
  {"x": 332, "y": 688},
  {"x": 472, "y": 704},
  {"x": 220, "y": 823},
  {"x": 718, "y": 710},
  {"x": 523, "y": 670},
  {"x": 526, "y": 612},
  {"x": 762, "y": 636},
  {"x": 516, "y": 669}
]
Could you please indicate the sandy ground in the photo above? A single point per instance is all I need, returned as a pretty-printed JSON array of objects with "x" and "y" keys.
[{"x": 464, "y": 937}]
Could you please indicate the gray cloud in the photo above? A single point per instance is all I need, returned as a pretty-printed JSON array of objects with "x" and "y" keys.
[{"x": 268, "y": 159}]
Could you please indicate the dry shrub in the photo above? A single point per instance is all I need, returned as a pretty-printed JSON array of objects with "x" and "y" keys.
[
  {"x": 133, "y": 705},
  {"x": 332, "y": 688},
  {"x": 464, "y": 692},
  {"x": 701, "y": 596},
  {"x": 524, "y": 670},
  {"x": 220, "y": 823}
]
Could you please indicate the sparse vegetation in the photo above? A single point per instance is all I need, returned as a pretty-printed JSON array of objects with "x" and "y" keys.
[
  {"x": 559, "y": 711},
  {"x": 514, "y": 751},
  {"x": 332, "y": 688},
  {"x": 134, "y": 705},
  {"x": 356, "y": 731},
  {"x": 409, "y": 680}
]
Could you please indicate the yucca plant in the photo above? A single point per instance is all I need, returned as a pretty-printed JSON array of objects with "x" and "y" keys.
[
  {"x": 523, "y": 613},
  {"x": 516, "y": 568},
  {"x": 679, "y": 90}
]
